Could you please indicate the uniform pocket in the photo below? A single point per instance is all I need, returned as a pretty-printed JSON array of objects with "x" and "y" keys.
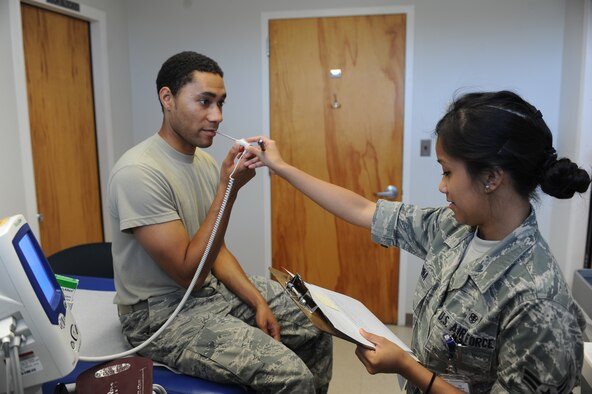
[{"x": 424, "y": 288}]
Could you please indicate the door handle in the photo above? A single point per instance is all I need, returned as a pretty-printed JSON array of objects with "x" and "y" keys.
[{"x": 390, "y": 192}]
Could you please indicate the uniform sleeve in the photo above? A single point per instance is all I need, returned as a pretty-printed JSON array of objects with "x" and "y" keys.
[
  {"x": 139, "y": 196},
  {"x": 540, "y": 350},
  {"x": 406, "y": 226}
]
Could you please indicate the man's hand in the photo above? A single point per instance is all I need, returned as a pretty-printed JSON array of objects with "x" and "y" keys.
[
  {"x": 228, "y": 271},
  {"x": 242, "y": 174},
  {"x": 267, "y": 322}
]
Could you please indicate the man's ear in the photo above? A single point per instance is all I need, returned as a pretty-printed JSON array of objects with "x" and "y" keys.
[{"x": 166, "y": 98}]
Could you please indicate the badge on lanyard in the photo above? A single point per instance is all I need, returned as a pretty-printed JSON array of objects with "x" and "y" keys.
[{"x": 451, "y": 376}]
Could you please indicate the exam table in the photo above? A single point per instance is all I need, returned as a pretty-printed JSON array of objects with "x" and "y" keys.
[
  {"x": 98, "y": 323},
  {"x": 98, "y": 320}
]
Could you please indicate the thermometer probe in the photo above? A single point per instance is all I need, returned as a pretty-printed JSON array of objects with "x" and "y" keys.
[{"x": 242, "y": 140}]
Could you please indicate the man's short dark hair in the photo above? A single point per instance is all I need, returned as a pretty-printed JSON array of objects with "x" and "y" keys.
[{"x": 178, "y": 70}]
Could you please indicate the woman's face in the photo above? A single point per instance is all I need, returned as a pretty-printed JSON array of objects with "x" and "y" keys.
[{"x": 466, "y": 197}]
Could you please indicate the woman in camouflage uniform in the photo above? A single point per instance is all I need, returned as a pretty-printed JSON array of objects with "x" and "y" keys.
[{"x": 492, "y": 311}]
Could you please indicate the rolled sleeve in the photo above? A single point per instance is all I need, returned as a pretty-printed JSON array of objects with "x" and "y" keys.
[{"x": 384, "y": 222}]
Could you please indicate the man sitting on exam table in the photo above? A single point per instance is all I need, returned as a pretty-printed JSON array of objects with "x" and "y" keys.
[{"x": 164, "y": 197}]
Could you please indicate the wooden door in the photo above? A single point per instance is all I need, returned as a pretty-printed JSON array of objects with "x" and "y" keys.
[
  {"x": 63, "y": 137},
  {"x": 346, "y": 130}
]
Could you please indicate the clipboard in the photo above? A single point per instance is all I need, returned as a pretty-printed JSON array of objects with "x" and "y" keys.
[{"x": 335, "y": 313}]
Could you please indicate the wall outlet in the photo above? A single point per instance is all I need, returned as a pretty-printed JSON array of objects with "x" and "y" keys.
[{"x": 425, "y": 148}]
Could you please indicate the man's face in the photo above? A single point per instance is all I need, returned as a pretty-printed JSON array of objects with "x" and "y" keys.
[{"x": 196, "y": 111}]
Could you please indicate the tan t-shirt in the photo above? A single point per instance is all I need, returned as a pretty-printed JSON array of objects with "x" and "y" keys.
[{"x": 153, "y": 183}]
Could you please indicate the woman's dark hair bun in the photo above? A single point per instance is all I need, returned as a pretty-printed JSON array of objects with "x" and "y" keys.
[{"x": 563, "y": 179}]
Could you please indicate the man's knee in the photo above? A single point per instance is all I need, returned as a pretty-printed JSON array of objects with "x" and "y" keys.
[{"x": 299, "y": 379}]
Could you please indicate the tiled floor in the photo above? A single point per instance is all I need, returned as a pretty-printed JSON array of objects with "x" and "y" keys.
[{"x": 350, "y": 376}]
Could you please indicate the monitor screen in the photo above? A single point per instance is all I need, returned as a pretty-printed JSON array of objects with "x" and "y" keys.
[
  {"x": 39, "y": 270},
  {"x": 39, "y": 273}
]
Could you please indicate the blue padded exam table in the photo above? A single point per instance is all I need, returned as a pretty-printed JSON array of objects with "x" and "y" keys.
[{"x": 96, "y": 317}]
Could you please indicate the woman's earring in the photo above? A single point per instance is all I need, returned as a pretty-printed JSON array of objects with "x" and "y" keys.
[{"x": 487, "y": 188}]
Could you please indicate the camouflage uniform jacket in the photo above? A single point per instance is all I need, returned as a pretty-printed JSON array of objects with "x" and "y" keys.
[{"x": 511, "y": 312}]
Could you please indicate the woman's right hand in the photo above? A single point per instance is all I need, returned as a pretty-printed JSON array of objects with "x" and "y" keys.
[
  {"x": 267, "y": 155},
  {"x": 339, "y": 201}
]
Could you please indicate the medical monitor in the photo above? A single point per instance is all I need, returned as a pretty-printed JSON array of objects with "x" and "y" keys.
[{"x": 33, "y": 310}]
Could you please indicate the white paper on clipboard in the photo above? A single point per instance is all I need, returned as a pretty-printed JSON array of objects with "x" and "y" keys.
[{"x": 348, "y": 315}]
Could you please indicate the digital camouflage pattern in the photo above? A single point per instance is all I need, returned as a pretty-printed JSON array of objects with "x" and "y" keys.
[
  {"x": 510, "y": 311},
  {"x": 209, "y": 339}
]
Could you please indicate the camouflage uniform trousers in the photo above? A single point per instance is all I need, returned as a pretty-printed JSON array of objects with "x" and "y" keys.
[{"x": 215, "y": 337}]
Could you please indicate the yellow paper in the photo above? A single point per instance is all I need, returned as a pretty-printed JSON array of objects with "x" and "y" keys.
[{"x": 325, "y": 300}]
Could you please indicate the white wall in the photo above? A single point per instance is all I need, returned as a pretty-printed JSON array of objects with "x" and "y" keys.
[
  {"x": 12, "y": 188},
  {"x": 119, "y": 72},
  {"x": 15, "y": 188},
  {"x": 459, "y": 45},
  {"x": 569, "y": 219}
]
